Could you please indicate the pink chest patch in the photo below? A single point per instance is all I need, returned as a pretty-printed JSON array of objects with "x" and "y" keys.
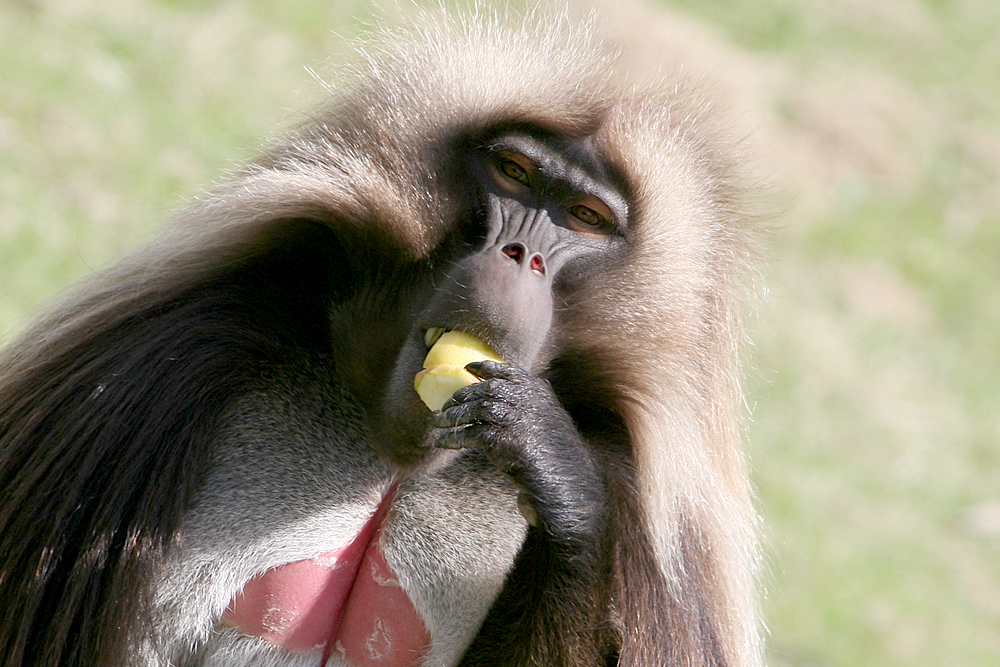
[{"x": 347, "y": 602}]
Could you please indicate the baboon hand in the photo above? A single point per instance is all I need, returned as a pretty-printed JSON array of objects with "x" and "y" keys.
[{"x": 517, "y": 421}]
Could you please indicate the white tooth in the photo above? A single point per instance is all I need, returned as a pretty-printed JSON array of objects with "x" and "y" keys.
[{"x": 431, "y": 335}]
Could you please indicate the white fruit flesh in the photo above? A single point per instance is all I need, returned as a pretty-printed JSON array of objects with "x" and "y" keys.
[{"x": 444, "y": 367}]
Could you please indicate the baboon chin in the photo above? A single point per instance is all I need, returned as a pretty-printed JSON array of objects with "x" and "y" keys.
[{"x": 213, "y": 452}]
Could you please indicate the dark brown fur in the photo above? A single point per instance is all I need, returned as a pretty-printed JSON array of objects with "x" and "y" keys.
[{"x": 109, "y": 406}]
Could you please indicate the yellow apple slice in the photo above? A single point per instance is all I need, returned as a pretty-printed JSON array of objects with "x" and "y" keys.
[
  {"x": 444, "y": 367},
  {"x": 436, "y": 384}
]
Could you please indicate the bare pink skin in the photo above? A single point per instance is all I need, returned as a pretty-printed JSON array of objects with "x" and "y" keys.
[{"x": 346, "y": 602}]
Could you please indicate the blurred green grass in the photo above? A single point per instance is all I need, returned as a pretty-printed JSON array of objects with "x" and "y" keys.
[
  {"x": 875, "y": 426},
  {"x": 876, "y": 429},
  {"x": 112, "y": 112}
]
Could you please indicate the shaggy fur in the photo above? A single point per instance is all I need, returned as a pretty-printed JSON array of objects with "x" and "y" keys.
[{"x": 113, "y": 407}]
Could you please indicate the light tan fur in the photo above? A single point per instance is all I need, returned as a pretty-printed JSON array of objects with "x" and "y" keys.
[{"x": 667, "y": 331}]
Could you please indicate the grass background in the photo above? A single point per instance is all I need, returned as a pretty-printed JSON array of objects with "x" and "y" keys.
[{"x": 875, "y": 420}]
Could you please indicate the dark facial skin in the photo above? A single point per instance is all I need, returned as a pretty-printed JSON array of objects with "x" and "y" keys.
[
  {"x": 546, "y": 209},
  {"x": 549, "y": 212},
  {"x": 542, "y": 212}
]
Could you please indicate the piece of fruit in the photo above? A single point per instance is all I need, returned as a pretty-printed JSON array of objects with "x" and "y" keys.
[{"x": 444, "y": 367}]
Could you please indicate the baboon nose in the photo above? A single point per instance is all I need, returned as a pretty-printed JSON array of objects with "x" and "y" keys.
[{"x": 517, "y": 252}]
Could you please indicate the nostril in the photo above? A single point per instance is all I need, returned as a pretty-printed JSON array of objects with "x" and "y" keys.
[
  {"x": 515, "y": 251},
  {"x": 537, "y": 264}
]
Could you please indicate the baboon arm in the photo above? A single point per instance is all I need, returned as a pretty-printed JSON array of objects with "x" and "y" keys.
[{"x": 547, "y": 613}]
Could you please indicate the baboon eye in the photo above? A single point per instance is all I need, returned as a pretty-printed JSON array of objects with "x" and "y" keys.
[
  {"x": 587, "y": 220},
  {"x": 587, "y": 216},
  {"x": 591, "y": 216},
  {"x": 515, "y": 172}
]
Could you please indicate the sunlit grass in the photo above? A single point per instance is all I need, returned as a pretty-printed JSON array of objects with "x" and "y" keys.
[
  {"x": 876, "y": 432},
  {"x": 112, "y": 113}
]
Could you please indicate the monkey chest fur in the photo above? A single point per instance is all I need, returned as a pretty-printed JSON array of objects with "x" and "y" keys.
[{"x": 309, "y": 549}]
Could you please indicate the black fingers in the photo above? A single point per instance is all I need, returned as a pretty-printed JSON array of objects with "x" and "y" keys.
[
  {"x": 457, "y": 438},
  {"x": 487, "y": 369},
  {"x": 490, "y": 412}
]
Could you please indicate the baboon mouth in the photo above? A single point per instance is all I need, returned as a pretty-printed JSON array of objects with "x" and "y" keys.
[
  {"x": 444, "y": 372},
  {"x": 431, "y": 335}
]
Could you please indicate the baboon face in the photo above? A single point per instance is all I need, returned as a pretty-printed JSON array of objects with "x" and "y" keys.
[{"x": 539, "y": 211}]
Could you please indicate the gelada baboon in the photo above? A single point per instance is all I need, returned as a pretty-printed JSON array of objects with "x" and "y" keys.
[{"x": 212, "y": 453}]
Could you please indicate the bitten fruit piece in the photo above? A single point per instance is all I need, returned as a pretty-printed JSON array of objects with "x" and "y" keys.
[{"x": 444, "y": 367}]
